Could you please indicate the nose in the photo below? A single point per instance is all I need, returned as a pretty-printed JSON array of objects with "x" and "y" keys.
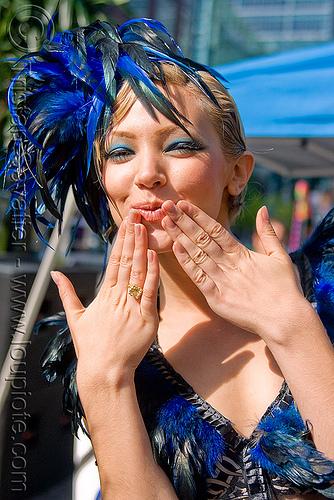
[{"x": 151, "y": 172}]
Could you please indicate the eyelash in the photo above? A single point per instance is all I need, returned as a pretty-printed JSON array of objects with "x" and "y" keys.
[
  {"x": 122, "y": 154},
  {"x": 119, "y": 154},
  {"x": 185, "y": 146}
]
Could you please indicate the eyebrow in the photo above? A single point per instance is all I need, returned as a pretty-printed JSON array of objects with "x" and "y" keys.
[{"x": 165, "y": 131}]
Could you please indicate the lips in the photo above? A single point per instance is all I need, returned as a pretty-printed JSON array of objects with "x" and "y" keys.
[
  {"x": 152, "y": 215},
  {"x": 151, "y": 212}
]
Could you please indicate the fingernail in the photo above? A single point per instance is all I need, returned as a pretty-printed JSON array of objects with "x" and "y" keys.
[
  {"x": 137, "y": 229},
  {"x": 169, "y": 223},
  {"x": 132, "y": 216},
  {"x": 150, "y": 256},
  {"x": 184, "y": 205},
  {"x": 265, "y": 213},
  {"x": 55, "y": 277},
  {"x": 178, "y": 247},
  {"x": 169, "y": 207}
]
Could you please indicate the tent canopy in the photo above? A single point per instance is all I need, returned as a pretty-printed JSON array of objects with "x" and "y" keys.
[{"x": 286, "y": 102}]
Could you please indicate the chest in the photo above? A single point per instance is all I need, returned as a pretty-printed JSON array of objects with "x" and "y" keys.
[
  {"x": 239, "y": 381},
  {"x": 218, "y": 461}
]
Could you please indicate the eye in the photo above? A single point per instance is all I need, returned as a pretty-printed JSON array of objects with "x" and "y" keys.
[
  {"x": 184, "y": 147},
  {"x": 119, "y": 154}
]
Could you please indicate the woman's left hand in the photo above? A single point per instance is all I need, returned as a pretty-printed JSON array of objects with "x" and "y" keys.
[
  {"x": 259, "y": 293},
  {"x": 253, "y": 291}
]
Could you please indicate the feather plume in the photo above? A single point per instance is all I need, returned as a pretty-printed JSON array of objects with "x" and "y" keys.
[
  {"x": 324, "y": 295},
  {"x": 59, "y": 352},
  {"x": 59, "y": 361},
  {"x": 315, "y": 261},
  {"x": 66, "y": 94},
  {"x": 188, "y": 445},
  {"x": 280, "y": 444}
]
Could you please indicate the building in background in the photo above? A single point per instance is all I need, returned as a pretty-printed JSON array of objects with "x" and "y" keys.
[
  {"x": 286, "y": 24},
  {"x": 215, "y": 32},
  {"x": 209, "y": 31}
]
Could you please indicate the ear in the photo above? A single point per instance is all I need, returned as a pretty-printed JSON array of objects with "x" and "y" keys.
[{"x": 240, "y": 174}]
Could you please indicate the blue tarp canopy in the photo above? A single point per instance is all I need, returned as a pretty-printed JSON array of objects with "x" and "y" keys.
[{"x": 286, "y": 102}]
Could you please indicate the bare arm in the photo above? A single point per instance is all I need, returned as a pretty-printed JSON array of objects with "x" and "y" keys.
[
  {"x": 122, "y": 448},
  {"x": 259, "y": 293},
  {"x": 111, "y": 337},
  {"x": 306, "y": 358}
]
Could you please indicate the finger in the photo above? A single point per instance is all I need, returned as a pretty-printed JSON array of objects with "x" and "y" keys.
[
  {"x": 201, "y": 279},
  {"x": 139, "y": 264},
  {"x": 115, "y": 256},
  {"x": 203, "y": 250},
  {"x": 267, "y": 235},
  {"x": 214, "y": 229},
  {"x": 182, "y": 228},
  {"x": 210, "y": 229},
  {"x": 150, "y": 290},
  {"x": 71, "y": 303},
  {"x": 126, "y": 259}
]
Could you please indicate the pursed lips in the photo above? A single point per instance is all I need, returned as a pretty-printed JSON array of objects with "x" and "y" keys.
[{"x": 150, "y": 212}]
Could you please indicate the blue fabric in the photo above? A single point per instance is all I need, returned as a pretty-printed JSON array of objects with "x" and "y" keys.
[{"x": 285, "y": 95}]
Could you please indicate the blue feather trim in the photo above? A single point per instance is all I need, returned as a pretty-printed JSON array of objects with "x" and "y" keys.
[
  {"x": 185, "y": 446},
  {"x": 315, "y": 261},
  {"x": 188, "y": 444},
  {"x": 280, "y": 445},
  {"x": 324, "y": 294},
  {"x": 59, "y": 361}
]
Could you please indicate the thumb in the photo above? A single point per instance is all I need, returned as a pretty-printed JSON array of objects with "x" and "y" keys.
[
  {"x": 266, "y": 233},
  {"x": 71, "y": 302}
]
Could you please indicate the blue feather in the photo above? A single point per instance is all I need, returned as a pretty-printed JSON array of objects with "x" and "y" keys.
[
  {"x": 151, "y": 23},
  {"x": 184, "y": 427},
  {"x": 126, "y": 65},
  {"x": 65, "y": 115},
  {"x": 324, "y": 294},
  {"x": 50, "y": 24},
  {"x": 186, "y": 443},
  {"x": 70, "y": 86},
  {"x": 93, "y": 119},
  {"x": 12, "y": 109},
  {"x": 315, "y": 261},
  {"x": 280, "y": 444},
  {"x": 34, "y": 223}
]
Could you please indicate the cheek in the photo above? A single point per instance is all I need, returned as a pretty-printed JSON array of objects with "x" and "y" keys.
[
  {"x": 115, "y": 214},
  {"x": 116, "y": 190},
  {"x": 205, "y": 186}
]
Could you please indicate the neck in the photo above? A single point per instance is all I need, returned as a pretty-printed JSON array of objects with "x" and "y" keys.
[
  {"x": 177, "y": 290},
  {"x": 183, "y": 309},
  {"x": 182, "y": 305}
]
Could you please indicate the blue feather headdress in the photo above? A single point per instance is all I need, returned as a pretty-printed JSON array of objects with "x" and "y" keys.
[{"x": 65, "y": 101}]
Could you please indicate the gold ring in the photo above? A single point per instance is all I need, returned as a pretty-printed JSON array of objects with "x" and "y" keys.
[{"x": 135, "y": 291}]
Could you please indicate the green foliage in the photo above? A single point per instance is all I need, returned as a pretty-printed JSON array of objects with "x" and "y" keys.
[{"x": 280, "y": 207}]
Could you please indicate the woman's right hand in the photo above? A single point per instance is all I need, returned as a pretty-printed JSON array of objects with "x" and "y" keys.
[{"x": 113, "y": 334}]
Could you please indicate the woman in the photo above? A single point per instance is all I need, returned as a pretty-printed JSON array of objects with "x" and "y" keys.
[{"x": 192, "y": 400}]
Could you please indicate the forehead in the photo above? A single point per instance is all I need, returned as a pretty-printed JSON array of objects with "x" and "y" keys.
[{"x": 131, "y": 113}]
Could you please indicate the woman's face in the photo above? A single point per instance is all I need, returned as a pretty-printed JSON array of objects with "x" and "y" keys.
[{"x": 151, "y": 161}]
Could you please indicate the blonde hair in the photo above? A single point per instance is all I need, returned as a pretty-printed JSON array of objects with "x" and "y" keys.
[{"x": 225, "y": 117}]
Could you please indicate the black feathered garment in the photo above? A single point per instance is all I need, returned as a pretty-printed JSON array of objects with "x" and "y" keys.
[{"x": 196, "y": 446}]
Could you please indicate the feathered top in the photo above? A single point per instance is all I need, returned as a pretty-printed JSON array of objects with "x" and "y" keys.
[
  {"x": 62, "y": 101},
  {"x": 196, "y": 446}
]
